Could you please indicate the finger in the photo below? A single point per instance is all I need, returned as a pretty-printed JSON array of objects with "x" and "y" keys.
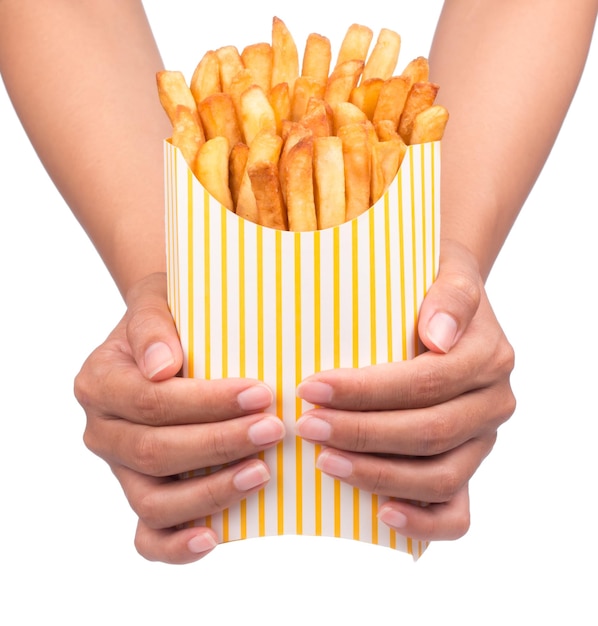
[
  {"x": 437, "y": 522},
  {"x": 164, "y": 503},
  {"x": 151, "y": 332},
  {"x": 415, "y": 432},
  {"x": 172, "y": 450},
  {"x": 422, "y": 479},
  {"x": 174, "y": 546},
  {"x": 452, "y": 300}
]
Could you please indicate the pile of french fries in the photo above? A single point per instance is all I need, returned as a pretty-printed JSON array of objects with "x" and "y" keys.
[{"x": 301, "y": 147}]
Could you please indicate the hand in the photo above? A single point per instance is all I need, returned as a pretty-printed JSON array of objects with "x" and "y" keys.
[
  {"x": 150, "y": 426},
  {"x": 417, "y": 430}
]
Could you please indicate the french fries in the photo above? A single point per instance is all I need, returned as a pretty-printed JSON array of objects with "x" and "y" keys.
[{"x": 301, "y": 144}]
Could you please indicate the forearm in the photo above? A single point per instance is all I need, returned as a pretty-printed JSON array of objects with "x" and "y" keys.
[
  {"x": 508, "y": 71},
  {"x": 81, "y": 76}
]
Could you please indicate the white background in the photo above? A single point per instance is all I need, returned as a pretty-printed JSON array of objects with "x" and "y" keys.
[{"x": 66, "y": 530}]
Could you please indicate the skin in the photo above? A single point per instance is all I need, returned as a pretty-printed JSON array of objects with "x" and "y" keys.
[{"x": 435, "y": 417}]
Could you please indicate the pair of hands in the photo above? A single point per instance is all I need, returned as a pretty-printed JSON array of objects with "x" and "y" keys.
[{"x": 415, "y": 431}]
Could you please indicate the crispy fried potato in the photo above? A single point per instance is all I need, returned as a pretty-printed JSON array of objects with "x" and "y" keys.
[
  {"x": 230, "y": 64},
  {"x": 317, "y": 58},
  {"x": 384, "y": 56},
  {"x": 318, "y": 118},
  {"x": 329, "y": 181},
  {"x": 237, "y": 163},
  {"x": 187, "y": 134},
  {"x": 365, "y": 95},
  {"x": 357, "y": 160},
  {"x": 306, "y": 88},
  {"x": 211, "y": 166},
  {"x": 258, "y": 58},
  {"x": 285, "y": 58},
  {"x": 385, "y": 130},
  {"x": 297, "y": 173},
  {"x": 342, "y": 81},
  {"x": 206, "y": 77},
  {"x": 256, "y": 113},
  {"x": 417, "y": 71},
  {"x": 355, "y": 44},
  {"x": 391, "y": 100},
  {"x": 421, "y": 96},
  {"x": 280, "y": 99},
  {"x": 173, "y": 91},
  {"x": 265, "y": 184},
  {"x": 387, "y": 157},
  {"x": 429, "y": 125},
  {"x": 219, "y": 118},
  {"x": 344, "y": 113}
]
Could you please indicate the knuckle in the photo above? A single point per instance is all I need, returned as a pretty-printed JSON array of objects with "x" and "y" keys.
[
  {"x": 218, "y": 448},
  {"x": 467, "y": 289},
  {"x": 150, "y": 406},
  {"x": 150, "y": 454},
  {"x": 438, "y": 436},
  {"x": 148, "y": 508},
  {"x": 446, "y": 484}
]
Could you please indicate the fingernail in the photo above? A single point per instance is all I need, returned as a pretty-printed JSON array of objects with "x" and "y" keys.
[
  {"x": 313, "y": 428},
  {"x": 157, "y": 358},
  {"x": 334, "y": 464},
  {"x": 255, "y": 397},
  {"x": 391, "y": 517},
  {"x": 251, "y": 476},
  {"x": 315, "y": 392},
  {"x": 267, "y": 430},
  {"x": 442, "y": 331},
  {"x": 201, "y": 543}
]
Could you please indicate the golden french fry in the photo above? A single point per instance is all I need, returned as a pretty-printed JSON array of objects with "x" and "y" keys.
[
  {"x": 280, "y": 99},
  {"x": 257, "y": 58},
  {"x": 344, "y": 113},
  {"x": 219, "y": 119},
  {"x": 285, "y": 58},
  {"x": 386, "y": 160},
  {"x": 318, "y": 118},
  {"x": 342, "y": 81},
  {"x": 187, "y": 134},
  {"x": 357, "y": 160},
  {"x": 265, "y": 184},
  {"x": 206, "y": 77},
  {"x": 384, "y": 56},
  {"x": 211, "y": 167},
  {"x": 266, "y": 147},
  {"x": 429, "y": 125},
  {"x": 317, "y": 57},
  {"x": 237, "y": 163},
  {"x": 421, "y": 96},
  {"x": 256, "y": 113},
  {"x": 230, "y": 64},
  {"x": 385, "y": 130},
  {"x": 305, "y": 89},
  {"x": 417, "y": 71},
  {"x": 297, "y": 173},
  {"x": 391, "y": 100},
  {"x": 365, "y": 95},
  {"x": 172, "y": 91},
  {"x": 329, "y": 181},
  {"x": 355, "y": 44}
]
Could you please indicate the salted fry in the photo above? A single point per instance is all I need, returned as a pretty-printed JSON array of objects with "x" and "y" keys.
[
  {"x": 344, "y": 113},
  {"x": 187, "y": 134},
  {"x": 429, "y": 125},
  {"x": 385, "y": 130},
  {"x": 355, "y": 44},
  {"x": 391, "y": 100},
  {"x": 230, "y": 63},
  {"x": 206, "y": 77},
  {"x": 318, "y": 118},
  {"x": 256, "y": 113},
  {"x": 174, "y": 91},
  {"x": 219, "y": 118},
  {"x": 329, "y": 181},
  {"x": 285, "y": 57},
  {"x": 237, "y": 163},
  {"x": 211, "y": 166},
  {"x": 280, "y": 99},
  {"x": 306, "y": 88},
  {"x": 421, "y": 96},
  {"x": 357, "y": 160},
  {"x": 297, "y": 174},
  {"x": 365, "y": 95},
  {"x": 265, "y": 184},
  {"x": 317, "y": 58},
  {"x": 386, "y": 160},
  {"x": 417, "y": 71},
  {"x": 384, "y": 56},
  {"x": 257, "y": 58},
  {"x": 342, "y": 81}
]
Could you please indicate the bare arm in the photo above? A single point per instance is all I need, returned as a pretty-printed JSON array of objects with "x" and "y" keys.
[
  {"x": 508, "y": 71},
  {"x": 81, "y": 76}
]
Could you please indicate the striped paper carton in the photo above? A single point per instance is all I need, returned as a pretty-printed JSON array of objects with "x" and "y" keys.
[{"x": 255, "y": 302}]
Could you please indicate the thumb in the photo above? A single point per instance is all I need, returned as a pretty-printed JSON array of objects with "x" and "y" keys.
[
  {"x": 151, "y": 332},
  {"x": 453, "y": 299}
]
